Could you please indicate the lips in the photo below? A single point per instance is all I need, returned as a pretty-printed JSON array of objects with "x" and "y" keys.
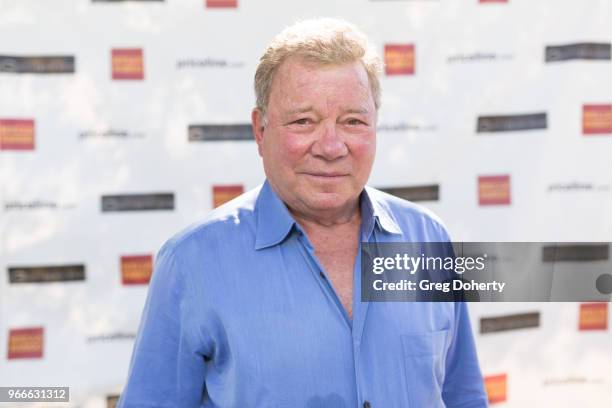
[{"x": 326, "y": 175}]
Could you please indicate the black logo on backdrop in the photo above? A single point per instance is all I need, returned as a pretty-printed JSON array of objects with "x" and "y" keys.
[
  {"x": 415, "y": 193},
  {"x": 510, "y": 123},
  {"x": 580, "y": 51},
  {"x": 509, "y": 322},
  {"x": 138, "y": 202},
  {"x": 575, "y": 252},
  {"x": 214, "y": 133},
  {"x": 37, "y": 64},
  {"x": 44, "y": 274}
]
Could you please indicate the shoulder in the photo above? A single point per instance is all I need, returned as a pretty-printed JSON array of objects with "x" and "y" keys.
[
  {"x": 236, "y": 217},
  {"x": 416, "y": 221}
]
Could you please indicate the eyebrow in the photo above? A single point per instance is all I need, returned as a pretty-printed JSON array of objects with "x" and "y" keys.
[
  {"x": 310, "y": 109},
  {"x": 361, "y": 111},
  {"x": 300, "y": 110}
]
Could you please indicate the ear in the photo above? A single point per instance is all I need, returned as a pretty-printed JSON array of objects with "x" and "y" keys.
[{"x": 257, "y": 123}]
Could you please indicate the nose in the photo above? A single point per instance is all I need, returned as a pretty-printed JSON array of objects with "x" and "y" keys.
[{"x": 329, "y": 144}]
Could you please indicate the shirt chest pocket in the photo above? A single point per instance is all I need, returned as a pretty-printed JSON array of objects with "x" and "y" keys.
[{"x": 424, "y": 360}]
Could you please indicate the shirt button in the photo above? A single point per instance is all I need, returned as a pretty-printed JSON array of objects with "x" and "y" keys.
[
  {"x": 366, "y": 404},
  {"x": 322, "y": 275}
]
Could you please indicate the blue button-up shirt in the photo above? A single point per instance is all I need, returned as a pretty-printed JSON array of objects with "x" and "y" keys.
[{"x": 241, "y": 314}]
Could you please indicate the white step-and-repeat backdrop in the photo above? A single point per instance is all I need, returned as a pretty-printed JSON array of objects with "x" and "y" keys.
[{"x": 121, "y": 122}]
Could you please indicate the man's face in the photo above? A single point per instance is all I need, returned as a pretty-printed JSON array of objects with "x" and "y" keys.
[{"x": 319, "y": 142}]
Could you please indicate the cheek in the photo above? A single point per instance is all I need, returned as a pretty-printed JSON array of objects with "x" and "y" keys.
[
  {"x": 293, "y": 147},
  {"x": 278, "y": 146},
  {"x": 364, "y": 150}
]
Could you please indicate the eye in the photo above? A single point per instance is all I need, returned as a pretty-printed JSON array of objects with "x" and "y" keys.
[
  {"x": 354, "y": 122},
  {"x": 302, "y": 121}
]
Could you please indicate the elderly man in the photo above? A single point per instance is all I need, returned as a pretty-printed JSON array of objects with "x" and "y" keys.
[{"x": 258, "y": 305}]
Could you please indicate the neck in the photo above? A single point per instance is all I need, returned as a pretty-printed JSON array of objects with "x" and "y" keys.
[{"x": 328, "y": 220}]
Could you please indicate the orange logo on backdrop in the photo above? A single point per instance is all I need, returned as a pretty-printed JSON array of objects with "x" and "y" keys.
[
  {"x": 25, "y": 343},
  {"x": 223, "y": 194},
  {"x": 221, "y": 3},
  {"x": 494, "y": 190},
  {"x": 596, "y": 119},
  {"x": 399, "y": 59},
  {"x": 16, "y": 134},
  {"x": 497, "y": 388},
  {"x": 593, "y": 316},
  {"x": 127, "y": 63},
  {"x": 136, "y": 269}
]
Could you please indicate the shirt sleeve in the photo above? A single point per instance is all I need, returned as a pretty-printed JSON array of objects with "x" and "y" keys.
[
  {"x": 166, "y": 370},
  {"x": 463, "y": 384}
]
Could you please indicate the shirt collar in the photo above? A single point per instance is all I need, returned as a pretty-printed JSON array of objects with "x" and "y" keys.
[
  {"x": 274, "y": 221},
  {"x": 375, "y": 211}
]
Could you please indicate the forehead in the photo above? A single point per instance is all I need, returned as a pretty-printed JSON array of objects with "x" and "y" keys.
[{"x": 297, "y": 81}]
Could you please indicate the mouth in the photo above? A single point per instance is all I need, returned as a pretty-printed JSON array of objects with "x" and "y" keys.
[{"x": 326, "y": 175}]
